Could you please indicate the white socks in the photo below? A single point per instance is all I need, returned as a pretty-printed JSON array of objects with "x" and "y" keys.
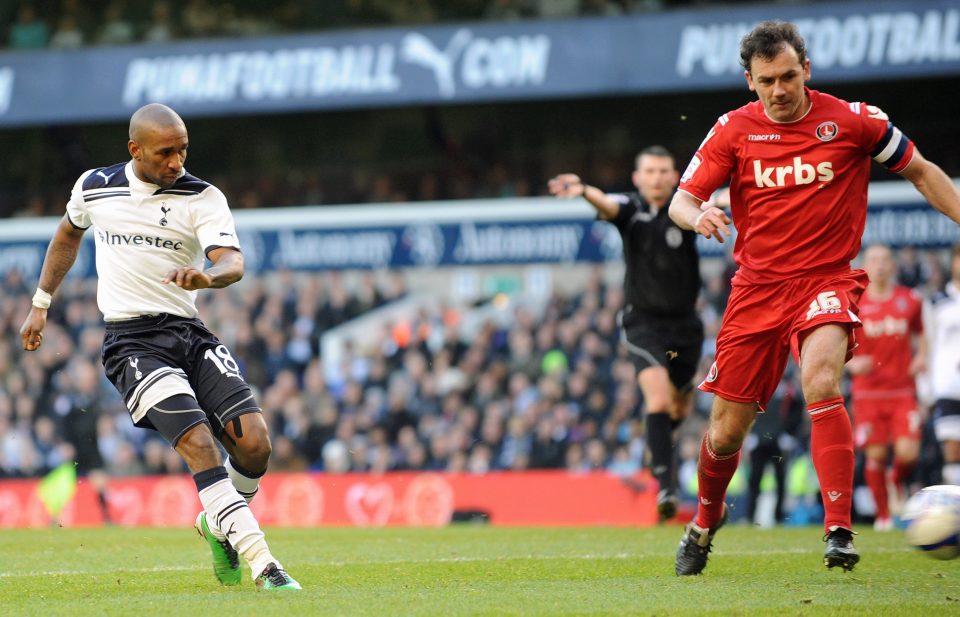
[
  {"x": 246, "y": 482},
  {"x": 951, "y": 473},
  {"x": 229, "y": 516}
]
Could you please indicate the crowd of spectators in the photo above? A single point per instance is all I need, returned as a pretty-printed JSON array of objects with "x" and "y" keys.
[
  {"x": 535, "y": 389},
  {"x": 69, "y": 24},
  {"x": 364, "y": 156}
]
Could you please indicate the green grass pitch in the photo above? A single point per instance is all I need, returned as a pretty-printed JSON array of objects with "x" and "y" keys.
[{"x": 469, "y": 570}]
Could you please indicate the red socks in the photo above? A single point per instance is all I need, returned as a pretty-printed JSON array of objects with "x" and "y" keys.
[
  {"x": 714, "y": 474},
  {"x": 902, "y": 470},
  {"x": 876, "y": 476},
  {"x": 831, "y": 447}
]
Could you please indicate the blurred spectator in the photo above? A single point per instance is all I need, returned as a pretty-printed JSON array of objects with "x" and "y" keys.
[
  {"x": 548, "y": 388},
  {"x": 160, "y": 28},
  {"x": 199, "y": 18},
  {"x": 555, "y": 9},
  {"x": 116, "y": 28},
  {"x": 909, "y": 271},
  {"x": 601, "y": 8},
  {"x": 28, "y": 31},
  {"x": 68, "y": 34},
  {"x": 506, "y": 10}
]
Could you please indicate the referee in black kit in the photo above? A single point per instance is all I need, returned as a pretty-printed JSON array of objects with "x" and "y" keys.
[{"x": 660, "y": 325}]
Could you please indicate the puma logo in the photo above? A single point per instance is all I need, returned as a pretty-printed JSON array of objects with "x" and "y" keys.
[
  {"x": 163, "y": 218},
  {"x": 105, "y": 177},
  {"x": 133, "y": 364},
  {"x": 224, "y": 233},
  {"x": 421, "y": 50},
  {"x": 230, "y": 531}
]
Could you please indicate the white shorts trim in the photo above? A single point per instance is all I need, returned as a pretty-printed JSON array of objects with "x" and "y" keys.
[
  {"x": 157, "y": 386},
  {"x": 947, "y": 428}
]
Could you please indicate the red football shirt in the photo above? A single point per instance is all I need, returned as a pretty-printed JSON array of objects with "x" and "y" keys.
[
  {"x": 888, "y": 327},
  {"x": 798, "y": 190}
]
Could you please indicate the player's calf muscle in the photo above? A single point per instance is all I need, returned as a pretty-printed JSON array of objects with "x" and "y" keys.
[{"x": 198, "y": 449}]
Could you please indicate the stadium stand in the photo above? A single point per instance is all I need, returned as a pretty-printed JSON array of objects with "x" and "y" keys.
[
  {"x": 453, "y": 388},
  {"x": 548, "y": 388}
]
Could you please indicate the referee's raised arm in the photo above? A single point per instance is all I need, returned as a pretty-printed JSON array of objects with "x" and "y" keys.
[{"x": 570, "y": 185}]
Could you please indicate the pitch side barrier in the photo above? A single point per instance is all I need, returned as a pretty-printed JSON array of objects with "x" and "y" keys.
[
  {"x": 425, "y": 499},
  {"x": 495, "y": 232}
]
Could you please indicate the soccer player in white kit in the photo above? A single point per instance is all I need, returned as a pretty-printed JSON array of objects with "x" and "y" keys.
[
  {"x": 154, "y": 224},
  {"x": 943, "y": 317}
]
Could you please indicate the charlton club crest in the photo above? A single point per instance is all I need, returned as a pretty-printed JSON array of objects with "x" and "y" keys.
[{"x": 827, "y": 131}]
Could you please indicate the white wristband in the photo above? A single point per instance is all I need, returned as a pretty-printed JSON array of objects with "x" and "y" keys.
[{"x": 42, "y": 299}]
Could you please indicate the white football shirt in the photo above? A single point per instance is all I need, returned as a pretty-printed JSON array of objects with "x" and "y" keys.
[
  {"x": 142, "y": 232},
  {"x": 942, "y": 324}
]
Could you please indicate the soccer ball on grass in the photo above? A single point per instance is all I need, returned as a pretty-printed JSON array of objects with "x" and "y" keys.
[{"x": 932, "y": 517}]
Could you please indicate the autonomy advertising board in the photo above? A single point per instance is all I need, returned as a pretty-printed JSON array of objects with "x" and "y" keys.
[{"x": 450, "y": 234}]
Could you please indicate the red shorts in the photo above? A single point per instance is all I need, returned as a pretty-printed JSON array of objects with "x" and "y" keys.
[
  {"x": 763, "y": 324},
  {"x": 884, "y": 420}
]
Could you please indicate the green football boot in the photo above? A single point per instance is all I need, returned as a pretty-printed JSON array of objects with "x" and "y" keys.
[
  {"x": 273, "y": 577},
  {"x": 226, "y": 562}
]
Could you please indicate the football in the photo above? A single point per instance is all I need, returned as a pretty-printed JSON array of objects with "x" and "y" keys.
[{"x": 932, "y": 518}]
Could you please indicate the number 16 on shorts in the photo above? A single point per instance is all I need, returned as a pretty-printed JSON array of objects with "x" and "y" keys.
[{"x": 826, "y": 303}]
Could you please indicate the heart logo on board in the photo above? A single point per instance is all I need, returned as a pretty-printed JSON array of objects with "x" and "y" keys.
[{"x": 369, "y": 505}]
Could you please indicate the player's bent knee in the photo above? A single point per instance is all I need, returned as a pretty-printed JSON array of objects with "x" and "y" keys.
[
  {"x": 725, "y": 441},
  {"x": 821, "y": 384},
  {"x": 254, "y": 454}
]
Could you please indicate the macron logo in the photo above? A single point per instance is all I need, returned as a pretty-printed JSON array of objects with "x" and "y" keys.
[
  {"x": 802, "y": 173},
  {"x": 834, "y": 495}
]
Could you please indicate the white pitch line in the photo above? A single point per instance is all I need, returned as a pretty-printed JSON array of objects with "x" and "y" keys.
[{"x": 384, "y": 562}]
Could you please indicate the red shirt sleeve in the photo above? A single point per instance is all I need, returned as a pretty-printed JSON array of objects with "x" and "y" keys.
[
  {"x": 884, "y": 141},
  {"x": 712, "y": 163}
]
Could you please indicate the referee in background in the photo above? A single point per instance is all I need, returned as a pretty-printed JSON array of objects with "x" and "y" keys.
[{"x": 659, "y": 323}]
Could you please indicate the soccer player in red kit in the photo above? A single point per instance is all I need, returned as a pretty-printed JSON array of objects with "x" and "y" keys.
[
  {"x": 798, "y": 162},
  {"x": 883, "y": 367}
]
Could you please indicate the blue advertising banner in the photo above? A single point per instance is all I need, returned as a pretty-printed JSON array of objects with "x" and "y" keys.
[
  {"x": 648, "y": 53},
  {"x": 456, "y": 234}
]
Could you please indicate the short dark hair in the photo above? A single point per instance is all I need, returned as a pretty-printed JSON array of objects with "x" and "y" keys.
[
  {"x": 768, "y": 39},
  {"x": 655, "y": 151}
]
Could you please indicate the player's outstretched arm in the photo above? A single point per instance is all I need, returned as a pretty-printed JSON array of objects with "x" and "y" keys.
[
  {"x": 61, "y": 254},
  {"x": 570, "y": 185},
  {"x": 934, "y": 185},
  {"x": 686, "y": 212},
  {"x": 227, "y": 269}
]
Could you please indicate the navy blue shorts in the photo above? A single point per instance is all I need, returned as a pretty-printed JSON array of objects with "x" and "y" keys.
[{"x": 158, "y": 358}]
